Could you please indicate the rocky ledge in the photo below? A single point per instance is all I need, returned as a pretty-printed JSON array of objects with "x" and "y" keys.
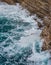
[
  {"x": 43, "y": 9},
  {"x": 46, "y": 33}
]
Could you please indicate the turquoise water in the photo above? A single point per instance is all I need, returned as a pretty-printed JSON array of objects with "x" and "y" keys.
[{"x": 20, "y": 42}]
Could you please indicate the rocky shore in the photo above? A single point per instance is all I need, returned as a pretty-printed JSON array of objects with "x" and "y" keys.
[{"x": 43, "y": 9}]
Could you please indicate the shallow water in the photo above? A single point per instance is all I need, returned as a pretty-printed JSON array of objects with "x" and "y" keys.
[{"x": 20, "y": 42}]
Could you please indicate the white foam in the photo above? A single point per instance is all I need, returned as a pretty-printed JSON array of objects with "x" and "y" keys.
[{"x": 31, "y": 36}]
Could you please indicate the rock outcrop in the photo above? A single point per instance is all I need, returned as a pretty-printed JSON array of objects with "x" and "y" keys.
[
  {"x": 9, "y": 1},
  {"x": 46, "y": 34},
  {"x": 40, "y": 7},
  {"x": 43, "y": 9}
]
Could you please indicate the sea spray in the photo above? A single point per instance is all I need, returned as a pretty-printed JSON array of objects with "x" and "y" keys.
[{"x": 20, "y": 42}]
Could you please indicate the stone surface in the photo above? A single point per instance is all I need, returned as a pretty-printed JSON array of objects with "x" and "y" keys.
[{"x": 46, "y": 33}]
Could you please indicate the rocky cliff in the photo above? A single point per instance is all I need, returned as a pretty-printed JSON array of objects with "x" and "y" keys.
[
  {"x": 43, "y": 9},
  {"x": 46, "y": 33}
]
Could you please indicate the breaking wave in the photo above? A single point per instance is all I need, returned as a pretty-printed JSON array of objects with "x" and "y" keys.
[{"x": 20, "y": 42}]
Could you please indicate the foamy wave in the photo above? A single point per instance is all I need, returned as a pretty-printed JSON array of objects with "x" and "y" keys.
[{"x": 23, "y": 35}]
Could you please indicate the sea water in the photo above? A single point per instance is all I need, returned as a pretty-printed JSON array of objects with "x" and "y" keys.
[{"x": 20, "y": 41}]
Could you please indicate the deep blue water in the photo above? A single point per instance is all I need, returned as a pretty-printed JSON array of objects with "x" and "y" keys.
[{"x": 5, "y": 42}]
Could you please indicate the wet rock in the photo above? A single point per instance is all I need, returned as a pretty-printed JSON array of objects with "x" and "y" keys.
[
  {"x": 46, "y": 34},
  {"x": 40, "y": 25}
]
